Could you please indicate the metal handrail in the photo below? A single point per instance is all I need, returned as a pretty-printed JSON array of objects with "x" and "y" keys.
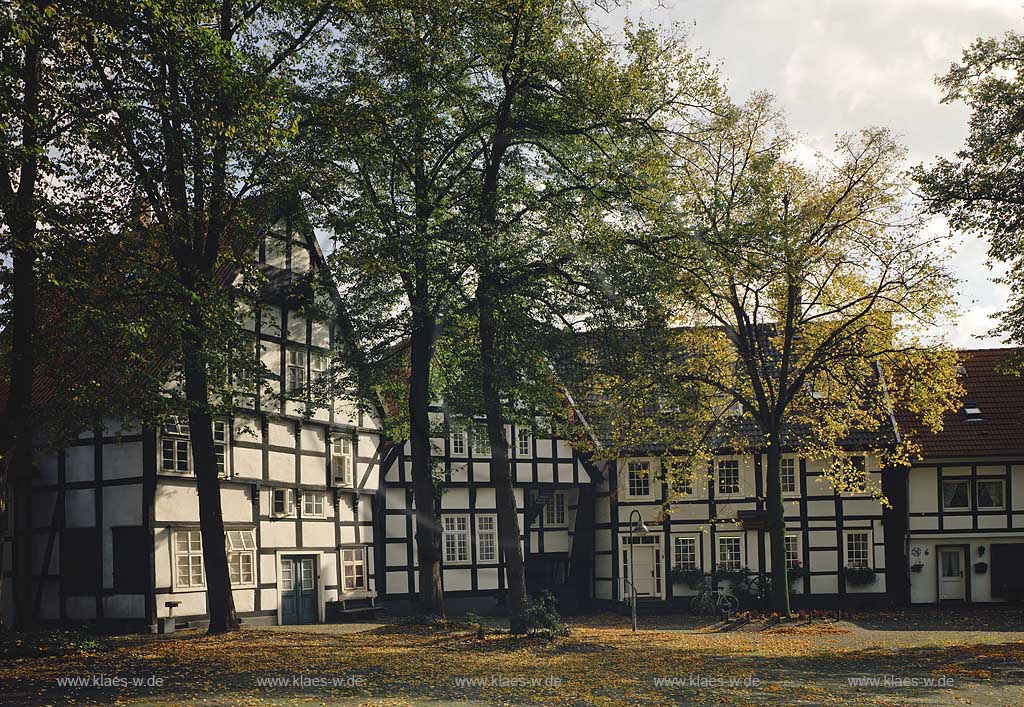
[
  {"x": 632, "y": 603},
  {"x": 632, "y": 589}
]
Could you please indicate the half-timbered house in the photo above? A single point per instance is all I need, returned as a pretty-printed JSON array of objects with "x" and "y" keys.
[
  {"x": 320, "y": 521},
  {"x": 718, "y": 522},
  {"x": 115, "y": 512},
  {"x": 554, "y": 494},
  {"x": 965, "y": 497}
]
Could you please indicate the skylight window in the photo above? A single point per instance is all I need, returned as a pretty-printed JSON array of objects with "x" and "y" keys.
[{"x": 973, "y": 413}]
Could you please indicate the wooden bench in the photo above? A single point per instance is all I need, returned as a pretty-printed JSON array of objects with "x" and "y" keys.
[{"x": 358, "y": 609}]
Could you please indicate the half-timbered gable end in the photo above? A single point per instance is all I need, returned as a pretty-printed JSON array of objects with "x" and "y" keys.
[{"x": 117, "y": 514}]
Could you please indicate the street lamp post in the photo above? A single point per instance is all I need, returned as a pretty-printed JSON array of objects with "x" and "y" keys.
[{"x": 636, "y": 528}]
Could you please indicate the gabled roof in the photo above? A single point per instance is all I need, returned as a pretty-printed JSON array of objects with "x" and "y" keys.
[
  {"x": 740, "y": 427},
  {"x": 990, "y": 422},
  {"x": 55, "y": 368}
]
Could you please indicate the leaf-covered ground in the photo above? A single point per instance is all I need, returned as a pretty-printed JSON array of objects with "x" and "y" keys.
[{"x": 667, "y": 662}]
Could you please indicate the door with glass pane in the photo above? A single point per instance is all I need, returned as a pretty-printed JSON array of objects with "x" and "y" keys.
[
  {"x": 951, "y": 573},
  {"x": 298, "y": 589}
]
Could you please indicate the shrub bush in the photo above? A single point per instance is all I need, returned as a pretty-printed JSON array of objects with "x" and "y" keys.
[
  {"x": 420, "y": 620},
  {"x": 541, "y": 617},
  {"x": 44, "y": 643},
  {"x": 478, "y": 624}
]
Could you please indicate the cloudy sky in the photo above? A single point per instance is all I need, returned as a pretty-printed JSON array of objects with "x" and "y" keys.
[{"x": 838, "y": 65}]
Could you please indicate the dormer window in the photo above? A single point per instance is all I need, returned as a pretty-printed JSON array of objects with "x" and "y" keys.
[{"x": 972, "y": 413}]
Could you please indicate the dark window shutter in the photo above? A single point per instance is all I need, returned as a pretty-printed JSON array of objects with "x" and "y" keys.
[
  {"x": 131, "y": 559},
  {"x": 81, "y": 562},
  {"x": 1007, "y": 577}
]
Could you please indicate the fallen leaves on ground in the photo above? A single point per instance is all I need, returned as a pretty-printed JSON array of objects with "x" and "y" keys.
[
  {"x": 816, "y": 629},
  {"x": 602, "y": 664}
]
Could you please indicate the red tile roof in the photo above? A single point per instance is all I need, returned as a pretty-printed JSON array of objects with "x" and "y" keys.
[{"x": 999, "y": 396}]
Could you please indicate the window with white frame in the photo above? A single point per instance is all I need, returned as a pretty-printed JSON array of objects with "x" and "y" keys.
[
  {"x": 458, "y": 441},
  {"x": 956, "y": 494},
  {"x": 175, "y": 451},
  {"x": 523, "y": 439},
  {"x": 683, "y": 482},
  {"x": 241, "y": 547},
  {"x": 481, "y": 443},
  {"x": 353, "y": 568},
  {"x": 317, "y": 365},
  {"x": 728, "y": 476},
  {"x": 555, "y": 511},
  {"x": 787, "y": 475},
  {"x": 991, "y": 494},
  {"x": 638, "y": 479},
  {"x": 859, "y": 477},
  {"x": 678, "y": 475},
  {"x": 177, "y": 426},
  {"x": 730, "y": 555},
  {"x": 456, "y": 539},
  {"x": 218, "y": 376},
  {"x": 189, "y": 571},
  {"x": 313, "y": 504},
  {"x": 245, "y": 376},
  {"x": 295, "y": 371},
  {"x": 287, "y": 576},
  {"x": 792, "y": 551},
  {"x": 176, "y": 446},
  {"x": 341, "y": 461},
  {"x": 858, "y": 549},
  {"x": 188, "y": 560},
  {"x": 282, "y": 503},
  {"x": 684, "y": 554},
  {"x": 486, "y": 538},
  {"x": 220, "y": 446}
]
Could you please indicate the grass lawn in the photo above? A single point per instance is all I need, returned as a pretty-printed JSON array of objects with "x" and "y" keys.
[{"x": 978, "y": 662}]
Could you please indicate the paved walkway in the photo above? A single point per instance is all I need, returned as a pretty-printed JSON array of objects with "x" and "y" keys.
[{"x": 321, "y": 629}]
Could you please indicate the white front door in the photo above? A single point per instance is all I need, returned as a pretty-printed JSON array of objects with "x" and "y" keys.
[
  {"x": 645, "y": 567},
  {"x": 951, "y": 573}
]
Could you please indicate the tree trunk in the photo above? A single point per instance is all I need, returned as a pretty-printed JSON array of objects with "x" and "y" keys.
[
  {"x": 581, "y": 563},
  {"x": 19, "y": 208},
  {"x": 508, "y": 516},
  {"x": 20, "y": 418},
  {"x": 428, "y": 528},
  {"x": 777, "y": 527},
  {"x": 220, "y": 602}
]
